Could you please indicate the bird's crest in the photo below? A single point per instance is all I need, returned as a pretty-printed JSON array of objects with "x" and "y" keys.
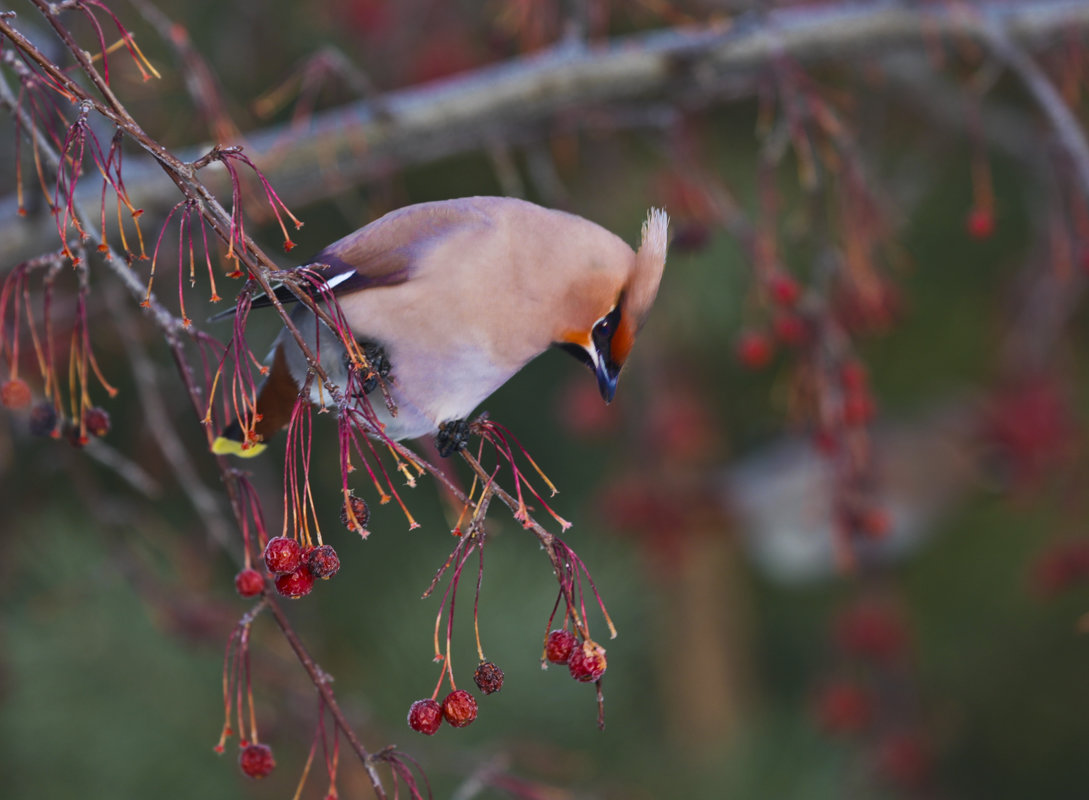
[
  {"x": 642, "y": 286},
  {"x": 649, "y": 264}
]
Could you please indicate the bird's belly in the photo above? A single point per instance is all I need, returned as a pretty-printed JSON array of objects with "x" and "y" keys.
[
  {"x": 429, "y": 385},
  {"x": 440, "y": 385}
]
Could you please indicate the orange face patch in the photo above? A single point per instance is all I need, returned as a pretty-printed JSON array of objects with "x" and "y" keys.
[{"x": 622, "y": 341}]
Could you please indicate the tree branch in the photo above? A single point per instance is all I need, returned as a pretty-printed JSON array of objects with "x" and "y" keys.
[{"x": 524, "y": 99}]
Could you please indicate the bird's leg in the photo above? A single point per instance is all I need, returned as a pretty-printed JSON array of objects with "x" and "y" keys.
[
  {"x": 379, "y": 364},
  {"x": 452, "y": 437}
]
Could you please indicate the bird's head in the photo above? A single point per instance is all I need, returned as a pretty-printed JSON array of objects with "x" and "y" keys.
[{"x": 614, "y": 305}]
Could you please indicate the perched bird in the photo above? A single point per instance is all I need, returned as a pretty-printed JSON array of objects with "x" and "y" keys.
[{"x": 453, "y": 298}]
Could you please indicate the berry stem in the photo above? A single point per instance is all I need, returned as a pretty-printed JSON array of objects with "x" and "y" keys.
[{"x": 321, "y": 683}]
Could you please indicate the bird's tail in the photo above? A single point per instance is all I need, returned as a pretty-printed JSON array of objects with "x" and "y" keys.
[{"x": 276, "y": 399}]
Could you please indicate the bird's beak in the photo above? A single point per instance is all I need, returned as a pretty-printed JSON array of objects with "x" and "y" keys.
[{"x": 607, "y": 372}]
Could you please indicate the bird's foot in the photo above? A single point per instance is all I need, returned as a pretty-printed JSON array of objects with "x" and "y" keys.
[
  {"x": 379, "y": 366},
  {"x": 452, "y": 437}
]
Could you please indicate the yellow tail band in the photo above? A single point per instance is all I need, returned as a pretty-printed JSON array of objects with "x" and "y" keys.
[{"x": 222, "y": 446}]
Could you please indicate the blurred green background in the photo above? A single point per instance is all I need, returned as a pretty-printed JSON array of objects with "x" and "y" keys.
[{"x": 116, "y": 607}]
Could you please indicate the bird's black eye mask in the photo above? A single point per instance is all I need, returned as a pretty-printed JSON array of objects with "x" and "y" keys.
[
  {"x": 600, "y": 337},
  {"x": 603, "y": 332}
]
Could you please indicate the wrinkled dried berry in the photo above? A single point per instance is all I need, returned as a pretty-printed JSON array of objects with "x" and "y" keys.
[
  {"x": 249, "y": 583},
  {"x": 459, "y": 708},
  {"x": 282, "y": 555},
  {"x": 96, "y": 421},
  {"x": 587, "y": 662},
  {"x": 295, "y": 584},
  {"x": 559, "y": 646},
  {"x": 43, "y": 419},
  {"x": 323, "y": 562},
  {"x": 425, "y": 716},
  {"x": 488, "y": 677},
  {"x": 359, "y": 508},
  {"x": 256, "y": 760}
]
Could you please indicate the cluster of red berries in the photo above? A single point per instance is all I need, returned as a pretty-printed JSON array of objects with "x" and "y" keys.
[
  {"x": 295, "y": 567},
  {"x": 585, "y": 660},
  {"x": 755, "y": 348},
  {"x": 459, "y": 707}
]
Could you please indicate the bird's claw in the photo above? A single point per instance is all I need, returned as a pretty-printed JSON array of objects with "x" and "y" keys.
[
  {"x": 379, "y": 366},
  {"x": 452, "y": 437}
]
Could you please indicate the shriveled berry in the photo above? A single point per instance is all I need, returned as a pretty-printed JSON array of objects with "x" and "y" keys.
[
  {"x": 754, "y": 350},
  {"x": 43, "y": 419},
  {"x": 425, "y": 716},
  {"x": 15, "y": 394},
  {"x": 256, "y": 760},
  {"x": 323, "y": 562},
  {"x": 249, "y": 582},
  {"x": 359, "y": 508},
  {"x": 587, "y": 662},
  {"x": 459, "y": 708},
  {"x": 282, "y": 555},
  {"x": 295, "y": 584},
  {"x": 559, "y": 645},
  {"x": 96, "y": 421},
  {"x": 488, "y": 677}
]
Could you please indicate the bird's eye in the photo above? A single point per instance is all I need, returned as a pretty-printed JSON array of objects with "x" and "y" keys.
[{"x": 605, "y": 327}]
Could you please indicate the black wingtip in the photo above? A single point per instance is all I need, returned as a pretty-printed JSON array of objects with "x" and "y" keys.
[{"x": 283, "y": 294}]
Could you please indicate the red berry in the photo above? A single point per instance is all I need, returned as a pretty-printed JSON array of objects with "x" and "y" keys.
[
  {"x": 15, "y": 394},
  {"x": 904, "y": 759},
  {"x": 425, "y": 716},
  {"x": 858, "y": 409},
  {"x": 282, "y": 555},
  {"x": 256, "y": 760},
  {"x": 459, "y": 708},
  {"x": 784, "y": 289},
  {"x": 874, "y": 522},
  {"x": 323, "y": 562},
  {"x": 754, "y": 350},
  {"x": 559, "y": 645},
  {"x": 43, "y": 419},
  {"x": 249, "y": 582},
  {"x": 872, "y": 631},
  {"x": 96, "y": 421},
  {"x": 843, "y": 708},
  {"x": 295, "y": 584},
  {"x": 488, "y": 677},
  {"x": 587, "y": 662},
  {"x": 853, "y": 375},
  {"x": 790, "y": 329},
  {"x": 980, "y": 223},
  {"x": 359, "y": 508}
]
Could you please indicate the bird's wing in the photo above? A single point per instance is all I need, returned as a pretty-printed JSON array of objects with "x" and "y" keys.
[{"x": 387, "y": 251}]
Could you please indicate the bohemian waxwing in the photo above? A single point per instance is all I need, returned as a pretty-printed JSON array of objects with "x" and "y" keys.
[{"x": 454, "y": 297}]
